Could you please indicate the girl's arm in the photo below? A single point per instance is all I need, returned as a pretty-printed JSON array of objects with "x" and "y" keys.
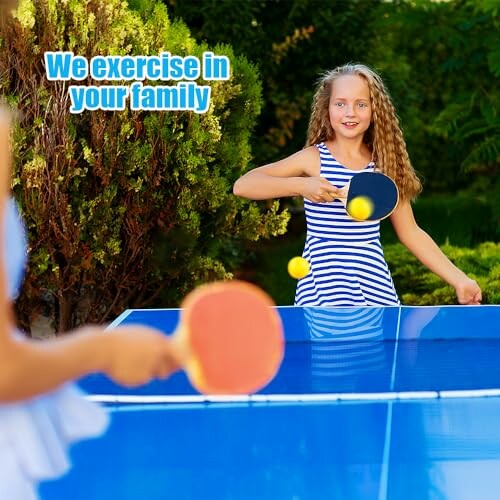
[
  {"x": 5, "y": 310},
  {"x": 297, "y": 175},
  {"x": 130, "y": 355},
  {"x": 420, "y": 244}
]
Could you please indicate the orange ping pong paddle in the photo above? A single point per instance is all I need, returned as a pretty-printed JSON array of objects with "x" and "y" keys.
[{"x": 233, "y": 337}]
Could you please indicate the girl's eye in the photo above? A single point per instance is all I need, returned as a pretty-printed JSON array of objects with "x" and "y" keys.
[
  {"x": 339, "y": 104},
  {"x": 362, "y": 105}
]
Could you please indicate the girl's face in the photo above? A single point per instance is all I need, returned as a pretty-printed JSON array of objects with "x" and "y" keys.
[{"x": 350, "y": 108}]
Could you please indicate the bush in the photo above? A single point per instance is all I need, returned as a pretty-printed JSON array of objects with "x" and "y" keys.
[
  {"x": 464, "y": 219},
  {"x": 100, "y": 191},
  {"x": 416, "y": 285}
]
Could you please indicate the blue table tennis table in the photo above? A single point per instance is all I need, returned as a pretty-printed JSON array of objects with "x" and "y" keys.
[{"x": 370, "y": 403}]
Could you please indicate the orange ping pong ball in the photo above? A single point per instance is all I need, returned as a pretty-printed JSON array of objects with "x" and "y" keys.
[
  {"x": 298, "y": 267},
  {"x": 360, "y": 207}
]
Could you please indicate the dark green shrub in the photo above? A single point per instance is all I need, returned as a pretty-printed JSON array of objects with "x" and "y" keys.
[
  {"x": 100, "y": 191},
  {"x": 464, "y": 219},
  {"x": 416, "y": 285}
]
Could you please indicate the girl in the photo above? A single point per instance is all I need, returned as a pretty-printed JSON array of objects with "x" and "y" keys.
[
  {"x": 34, "y": 428},
  {"x": 353, "y": 128}
]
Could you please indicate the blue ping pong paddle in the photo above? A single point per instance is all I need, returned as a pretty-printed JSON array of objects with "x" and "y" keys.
[{"x": 376, "y": 187}]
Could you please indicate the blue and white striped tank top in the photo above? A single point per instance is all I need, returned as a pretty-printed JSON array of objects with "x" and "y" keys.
[
  {"x": 347, "y": 264},
  {"x": 330, "y": 220}
]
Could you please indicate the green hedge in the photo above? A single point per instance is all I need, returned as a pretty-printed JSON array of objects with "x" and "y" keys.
[
  {"x": 416, "y": 285},
  {"x": 465, "y": 219},
  {"x": 124, "y": 209}
]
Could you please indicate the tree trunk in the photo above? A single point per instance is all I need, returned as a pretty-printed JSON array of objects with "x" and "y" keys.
[{"x": 65, "y": 322}]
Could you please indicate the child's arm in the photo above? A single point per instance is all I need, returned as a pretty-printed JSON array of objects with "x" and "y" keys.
[
  {"x": 5, "y": 312},
  {"x": 426, "y": 251},
  {"x": 130, "y": 355},
  {"x": 297, "y": 175}
]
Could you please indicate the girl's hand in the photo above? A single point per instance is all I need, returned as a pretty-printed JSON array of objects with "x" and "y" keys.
[
  {"x": 468, "y": 292},
  {"x": 137, "y": 354},
  {"x": 319, "y": 190}
]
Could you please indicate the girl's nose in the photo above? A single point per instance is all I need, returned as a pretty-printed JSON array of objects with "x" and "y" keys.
[{"x": 349, "y": 110}]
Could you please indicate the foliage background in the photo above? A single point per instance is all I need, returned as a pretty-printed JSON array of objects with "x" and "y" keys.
[
  {"x": 441, "y": 63},
  {"x": 123, "y": 208},
  {"x": 135, "y": 209}
]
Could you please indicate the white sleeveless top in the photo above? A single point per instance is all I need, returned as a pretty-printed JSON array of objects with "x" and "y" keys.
[{"x": 35, "y": 434}]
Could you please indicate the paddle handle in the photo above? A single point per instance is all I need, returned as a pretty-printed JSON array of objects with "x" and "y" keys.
[{"x": 344, "y": 192}]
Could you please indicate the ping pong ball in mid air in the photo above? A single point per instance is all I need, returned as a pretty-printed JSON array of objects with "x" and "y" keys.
[
  {"x": 298, "y": 267},
  {"x": 360, "y": 208}
]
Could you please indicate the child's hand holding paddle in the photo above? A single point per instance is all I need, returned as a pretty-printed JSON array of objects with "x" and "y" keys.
[
  {"x": 319, "y": 190},
  {"x": 138, "y": 354},
  {"x": 229, "y": 340}
]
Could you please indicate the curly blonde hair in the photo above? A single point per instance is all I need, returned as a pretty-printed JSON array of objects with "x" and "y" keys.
[{"x": 384, "y": 137}]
